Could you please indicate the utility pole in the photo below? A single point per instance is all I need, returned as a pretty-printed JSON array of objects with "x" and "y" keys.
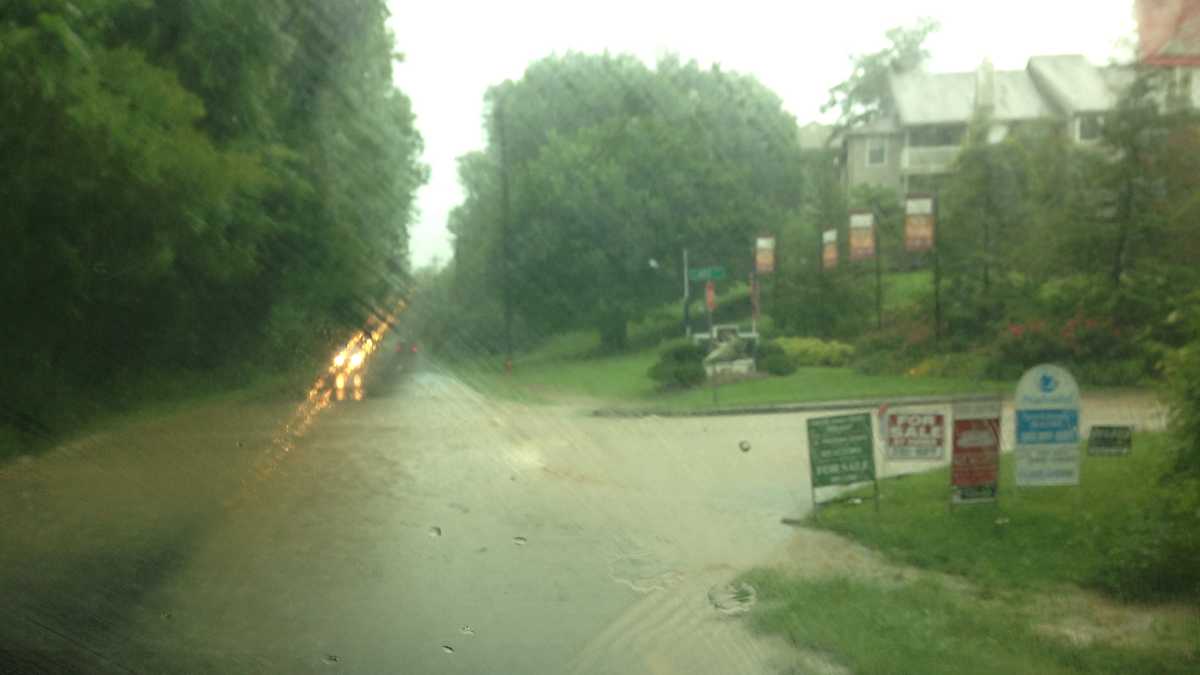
[
  {"x": 937, "y": 270},
  {"x": 505, "y": 234},
  {"x": 687, "y": 320}
]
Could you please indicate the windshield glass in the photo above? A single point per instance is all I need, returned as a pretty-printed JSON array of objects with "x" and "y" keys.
[{"x": 362, "y": 336}]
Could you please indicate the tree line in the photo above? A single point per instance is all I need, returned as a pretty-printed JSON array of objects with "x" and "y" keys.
[{"x": 191, "y": 186}]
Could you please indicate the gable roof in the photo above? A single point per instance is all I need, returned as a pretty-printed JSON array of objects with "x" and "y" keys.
[
  {"x": 943, "y": 98},
  {"x": 1072, "y": 83}
]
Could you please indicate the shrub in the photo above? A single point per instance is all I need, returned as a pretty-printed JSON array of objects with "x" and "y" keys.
[
  {"x": 680, "y": 364},
  {"x": 779, "y": 364},
  {"x": 816, "y": 352}
]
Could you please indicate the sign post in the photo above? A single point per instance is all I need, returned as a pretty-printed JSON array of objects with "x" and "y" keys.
[
  {"x": 841, "y": 451},
  {"x": 975, "y": 453},
  {"x": 1047, "y": 424},
  {"x": 863, "y": 245}
]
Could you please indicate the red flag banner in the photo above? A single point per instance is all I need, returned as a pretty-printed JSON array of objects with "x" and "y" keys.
[
  {"x": 918, "y": 223},
  {"x": 862, "y": 235},
  {"x": 829, "y": 249}
]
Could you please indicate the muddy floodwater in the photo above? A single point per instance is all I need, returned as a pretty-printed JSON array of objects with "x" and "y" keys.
[{"x": 422, "y": 529}]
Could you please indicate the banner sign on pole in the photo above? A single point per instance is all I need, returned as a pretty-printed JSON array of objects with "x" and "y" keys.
[
  {"x": 918, "y": 223},
  {"x": 710, "y": 296},
  {"x": 1047, "y": 425},
  {"x": 841, "y": 450},
  {"x": 975, "y": 451},
  {"x": 862, "y": 235},
  {"x": 829, "y": 249},
  {"x": 914, "y": 435},
  {"x": 1110, "y": 441},
  {"x": 764, "y": 255},
  {"x": 755, "y": 300}
]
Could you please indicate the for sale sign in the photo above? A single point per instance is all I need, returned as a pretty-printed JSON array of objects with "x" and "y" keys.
[
  {"x": 829, "y": 249},
  {"x": 914, "y": 435},
  {"x": 862, "y": 235},
  {"x": 841, "y": 450},
  {"x": 1047, "y": 424},
  {"x": 918, "y": 223},
  {"x": 975, "y": 454}
]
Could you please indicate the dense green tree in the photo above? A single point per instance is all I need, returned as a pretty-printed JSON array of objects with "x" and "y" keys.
[
  {"x": 613, "y": 165},
  {"x": 192, "y": 185}
]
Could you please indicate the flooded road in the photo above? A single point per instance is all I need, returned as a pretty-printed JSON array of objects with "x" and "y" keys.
[{"x": 424, "y": 529}]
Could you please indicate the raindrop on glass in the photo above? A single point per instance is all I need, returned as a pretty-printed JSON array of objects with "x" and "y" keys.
[
  {"x": 448, "y": 649},
  {"x": 331, "y": 658},
  {"x": 467, "y": 630},
  {"x": 520, "y": 541},
  {"x": 435, "y": 531},
  {"x": 744, "y": 446}
]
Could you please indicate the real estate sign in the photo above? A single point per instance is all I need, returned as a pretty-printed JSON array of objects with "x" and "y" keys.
[
  {"x": 1110, "y": 441},
  {"x": 918, "y": 223},
  {"x": 829, "y": 249},
  {"x": 841, "y": 450},
  {"x": 911, "y": 434},
  {"x": 975, "y": 451},
  {"x": 862, "y": 235},
  {"x": 1047, "y": 426}
]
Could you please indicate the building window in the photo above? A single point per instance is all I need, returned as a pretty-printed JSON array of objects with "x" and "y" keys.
[
  {"x": 876, "y": 151},
  {"x": 936, "y": 135},
  {"x": 1088, "y": 127}
]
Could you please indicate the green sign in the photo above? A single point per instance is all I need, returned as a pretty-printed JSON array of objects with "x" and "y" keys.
[
  {"x": 1110, "y": 441},
  {"x": 841, "y": 449},
  {"x": 706, "y": 274}
]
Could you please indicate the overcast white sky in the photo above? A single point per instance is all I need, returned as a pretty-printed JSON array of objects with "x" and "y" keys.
[{"x": 455, "y": 49}]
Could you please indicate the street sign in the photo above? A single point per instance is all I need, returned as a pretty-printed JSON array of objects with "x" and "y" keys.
[
  {"x": 975, "y": 452},
  {"x": 912, "y": 434},
  {"x": 841, "y": 450},
  {"x": 918, "y": 223},
  {"x": 1047, "y": 426},
  {"x": 829, "y": 249},
  {"x": 1110, "y": 441},
  {"x": 710, "y": 296},
  {"x": 862, "y": 235},
  {"x": 764, "y": 255},
  {"x": 707, "y": 274}
]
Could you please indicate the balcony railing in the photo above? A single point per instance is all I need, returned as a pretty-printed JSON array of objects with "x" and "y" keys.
[{"x": 928, "y": 159}]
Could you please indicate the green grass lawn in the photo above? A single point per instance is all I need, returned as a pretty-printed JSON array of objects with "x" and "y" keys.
[
  {"x": 924, "y": 627},
  {"x": 621, "y": 381},
  {"x": 903, "y": 290},
  {"x": 1030, "y": 538},
  {"x": 1018, "y": 555}
]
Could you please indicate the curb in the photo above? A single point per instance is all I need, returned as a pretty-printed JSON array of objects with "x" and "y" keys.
[{"x": 815, "y": 406}]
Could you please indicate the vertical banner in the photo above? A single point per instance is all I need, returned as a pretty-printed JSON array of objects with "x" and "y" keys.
[
  {"x": 829, "y": 249},
  {"x": 1047, "y": 424},
  {"x": 918, "y": 223},
  {"x": 862, "y": 235},
  {"x": 841, "y": 450},
  {"x": 975, "y": 452},
  {"x": 764, "y": 254},
  {"x": 710, "y": 296},
  {"x": 913, "y": 434}
]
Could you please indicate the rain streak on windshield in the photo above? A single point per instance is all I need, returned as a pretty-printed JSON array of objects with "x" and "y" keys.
[{"x": 356, "y": 336}]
